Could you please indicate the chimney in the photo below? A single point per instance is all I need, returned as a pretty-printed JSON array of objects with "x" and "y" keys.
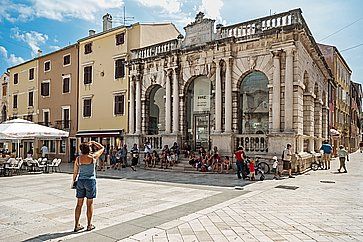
[
  {"x": 107, "y": 22},
  {"x": 91, "y": 32},
  {"x": 40, "y": 52}
]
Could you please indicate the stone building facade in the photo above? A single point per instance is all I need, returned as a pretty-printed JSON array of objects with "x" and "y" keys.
[
  {"x": 4, "y": 95},
  {"x": 260, "y": 84}
]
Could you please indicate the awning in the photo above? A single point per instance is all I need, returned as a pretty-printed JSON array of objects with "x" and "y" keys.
[{"x": 100, "y": 133}]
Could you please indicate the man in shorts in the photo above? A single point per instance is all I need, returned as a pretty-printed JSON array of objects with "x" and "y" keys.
[
  {"x": 286, "y": 159},
  {"x": 327, "y": 150}
]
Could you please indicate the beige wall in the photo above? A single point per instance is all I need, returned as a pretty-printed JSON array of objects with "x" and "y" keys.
[
  {"x": 22, "y": 89},
  {"x": 57, "y": 98}
]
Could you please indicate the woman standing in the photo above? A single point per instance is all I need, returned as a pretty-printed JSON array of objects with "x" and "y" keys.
[{"x": 85, "y": 170}]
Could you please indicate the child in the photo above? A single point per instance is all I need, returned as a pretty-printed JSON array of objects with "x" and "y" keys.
[
  {"x": 342, "y": 153},
  {"x": 252, "y": 170},
  {"x": 275, "y": 169}
]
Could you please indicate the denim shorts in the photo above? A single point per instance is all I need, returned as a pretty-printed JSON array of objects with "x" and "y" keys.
[{"x": 86, "y": 188}]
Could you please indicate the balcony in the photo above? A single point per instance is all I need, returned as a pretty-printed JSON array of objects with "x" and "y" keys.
[
  {"x": 48, "y": 124},
  {"x": 62, "y": 124}
]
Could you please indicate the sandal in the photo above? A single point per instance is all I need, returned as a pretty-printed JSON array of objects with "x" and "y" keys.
[
  {"x": 78, "y": 228},
  {"x": 90, "y": 227}
]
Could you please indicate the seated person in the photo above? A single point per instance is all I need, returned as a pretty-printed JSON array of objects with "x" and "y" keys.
[
  {"x": 226, "y": 164},
  {"x": 164, "y": 157},
  {"x": 193, "y": 160},
  {"x": 154, "y": 158},
  {"x": 147, "y": 160}
]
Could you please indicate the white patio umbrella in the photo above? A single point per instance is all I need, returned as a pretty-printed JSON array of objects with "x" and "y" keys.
[{"x": 18, "y": 129}]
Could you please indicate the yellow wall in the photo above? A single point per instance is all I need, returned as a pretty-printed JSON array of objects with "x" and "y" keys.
[
  {"x": 104, "y": 85},
  {"x": 22, "y": 89}
]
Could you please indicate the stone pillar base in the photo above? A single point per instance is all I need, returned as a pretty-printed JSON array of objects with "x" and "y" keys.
[
  {"x": 224, "y": 143},
  {"x": 277, "y": 143},
  {"x": 131, "y": 139},
  {"x": 169, "y": 139}
]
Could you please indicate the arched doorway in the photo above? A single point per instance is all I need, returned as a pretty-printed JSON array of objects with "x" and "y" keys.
[
  {"x": 199, "y": 112},
  {"x": 156, "y": 110},
  {"x": 253, "y": 107}
]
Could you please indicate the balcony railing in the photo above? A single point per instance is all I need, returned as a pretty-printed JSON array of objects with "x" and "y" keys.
[
  {"x": 257, "y": 26},
  {"x": 154, "y": 50},
  {"x": 62, "y": 124},
  {"x": 48, "y": 124},
  {"x": 256, "y": 143}
]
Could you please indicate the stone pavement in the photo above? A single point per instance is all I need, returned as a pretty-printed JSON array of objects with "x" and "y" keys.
[{"x": 325, "y": 206}]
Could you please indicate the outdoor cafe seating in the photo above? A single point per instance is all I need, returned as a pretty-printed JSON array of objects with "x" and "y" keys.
[{"x": 18, "y": 166}]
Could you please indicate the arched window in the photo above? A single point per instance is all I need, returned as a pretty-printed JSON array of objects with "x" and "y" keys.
[{"x": 254, "y": 104}]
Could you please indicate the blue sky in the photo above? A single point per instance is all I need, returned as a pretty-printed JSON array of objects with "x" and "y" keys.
[{"x": 29, "y": 25}]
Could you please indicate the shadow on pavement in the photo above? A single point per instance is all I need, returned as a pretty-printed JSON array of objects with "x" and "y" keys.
[{"x": 50, "y": 236}]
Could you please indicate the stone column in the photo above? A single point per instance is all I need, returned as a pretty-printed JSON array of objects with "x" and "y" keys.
[
  {"x": 228, "y": 98},
  {"x": 218, "y": 100},
  {"x": 309, "y": 118},
  {"x": 138, "y": 105},
  {"x": 132, "y": 107},
  {"x": 175, "y": 102},
  {"x": 325, "y": 131},
  {"x": 276, "y": 93},
  {"x": 318, "y": 122},
  {"x": 167, "y": 104},
  {"x": 289, "y": 89}
]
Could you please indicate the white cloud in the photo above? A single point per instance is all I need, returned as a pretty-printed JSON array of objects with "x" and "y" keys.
[
  {"x": 33, "y": 38},
  {"x": 59, "y": 10},
  {"x": 54, "y": 47},
  {"x": 212, "y": 9},
  {"x": 11, "y": 59},
  {"x": 168, "y": 6}
]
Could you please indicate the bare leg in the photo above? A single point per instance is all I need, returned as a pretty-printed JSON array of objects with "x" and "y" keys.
[
  {"x": 77, "y": 212},
  {"x": 89, "y": 211}
]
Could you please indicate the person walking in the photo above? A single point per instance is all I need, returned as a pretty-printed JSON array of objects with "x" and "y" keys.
[
  {"x": 327, "y": 149},
  {"x": 286, "y": 159},
  {"x": 240, "y": 156},
  {"x": 85, "y": 174},
  {"x": 44, "y": 150},
  {"x": 342, "y": 153},
  {"x": 135, "y": 156},
  {"x": 275, "y": 169}
]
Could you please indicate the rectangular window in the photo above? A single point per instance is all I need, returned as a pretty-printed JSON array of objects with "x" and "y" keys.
[
  {"x": 87, "y": 107},
  {"x": 88, "y": 48},
  {"x": 16, "y": 78},
  {"x": 31, "y": 99},
  {"x": 51, "y": 146},
  {"x": 15, "y": 101},
  {"x": 87, "y": 72},
  {"x": 45, "y": 89},
  {"x": 120, "y": 39},
  {"x": 46, "y": 118},
  {"x": 65, "y": 117},
  {"x": 31, "y": 74},
  {"x": 4, "y": 90},
  {"x": 66, "y": 83},
  {"x": 62, "y": 146},
  {"x": 119, "y": 104},
  {"x": 47, "y": 66},
  {"x": 120, "y": 68},
  {"x": 66, "y": 60}
]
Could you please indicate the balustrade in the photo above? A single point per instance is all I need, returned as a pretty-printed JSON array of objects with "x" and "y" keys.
[
  {"x": 256, "y": 143},
  {"x": 154, "y": 50},
  {"x": 156, "y": 141},
  {"x": 257, "y": 26}
]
